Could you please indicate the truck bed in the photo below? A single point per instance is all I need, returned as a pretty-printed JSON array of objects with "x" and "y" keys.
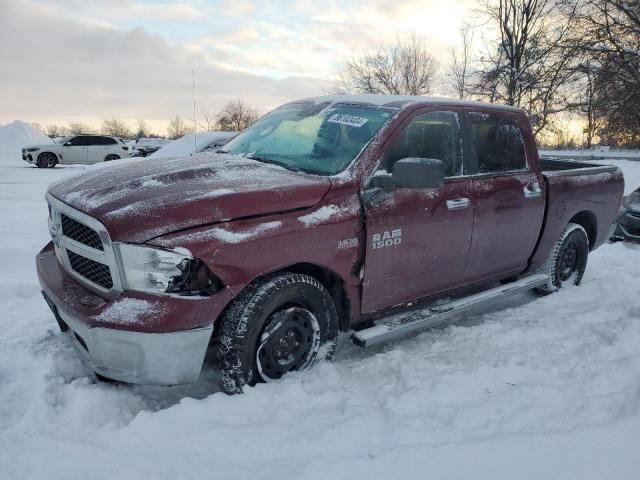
[
  {"x": 576, "y": 190},
  {"x": 554, "y": 165}
]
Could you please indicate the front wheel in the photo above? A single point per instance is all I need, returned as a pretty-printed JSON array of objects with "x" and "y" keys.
[
  {"x": 46, "y": 160},
  {"x": 280, "y": 324},
  {"x": 111, "y": 157},
  {"x": 567, "y": 261}
]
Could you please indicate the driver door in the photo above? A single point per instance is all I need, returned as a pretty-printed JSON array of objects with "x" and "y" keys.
[
  {"x": 75, "y": 150},
  {"x": 418, "y": 239}
]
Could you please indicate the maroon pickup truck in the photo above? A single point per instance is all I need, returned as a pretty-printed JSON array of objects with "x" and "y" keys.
[{"x": 326, "y": 215}]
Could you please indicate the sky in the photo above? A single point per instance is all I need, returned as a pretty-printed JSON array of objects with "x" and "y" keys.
[{"x": 77, "y": 60}]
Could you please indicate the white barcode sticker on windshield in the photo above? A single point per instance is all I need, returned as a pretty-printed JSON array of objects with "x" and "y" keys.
[{"x": 350, "y": 120}]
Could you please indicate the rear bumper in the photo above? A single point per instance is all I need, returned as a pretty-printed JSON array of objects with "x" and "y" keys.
[{"x": 137, "y": 338}]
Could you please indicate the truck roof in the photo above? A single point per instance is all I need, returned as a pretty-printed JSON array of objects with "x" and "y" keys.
[{"x": 403, "y": 101}]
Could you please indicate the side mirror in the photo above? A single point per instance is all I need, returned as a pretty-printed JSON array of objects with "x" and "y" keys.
[
  {"x": 418, "y": 173},
  {"x": 68, "y": 144}
]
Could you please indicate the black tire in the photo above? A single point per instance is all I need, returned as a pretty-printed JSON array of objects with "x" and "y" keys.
[
  {"x": 567, "y": 261},
  {"x": 47, "y": 160},
  {"x": 256, "y": 342},
  {"x": 111, "y": 157}
]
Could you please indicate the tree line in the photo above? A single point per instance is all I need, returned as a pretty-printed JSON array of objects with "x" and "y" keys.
[
  {"x": 236, "y": 115},
  {"x": 554, "y": 58}
]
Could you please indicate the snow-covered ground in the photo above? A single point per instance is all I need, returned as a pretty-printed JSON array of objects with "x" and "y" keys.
[{"x": 533, "y": 388}]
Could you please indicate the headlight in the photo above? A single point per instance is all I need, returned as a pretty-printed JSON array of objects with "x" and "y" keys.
[
  {"x": 32, "y": 149},
  {"x": 159, "y": 271},
  {"x": 633, "y": 200}
]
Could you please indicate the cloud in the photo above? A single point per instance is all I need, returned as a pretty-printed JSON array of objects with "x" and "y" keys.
[
  {"x": 83, "y": 60},
  {"x": 53, "y": 68}
]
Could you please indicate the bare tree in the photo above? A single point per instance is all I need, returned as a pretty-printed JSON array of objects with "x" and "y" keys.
[
  {"x": 178, "y": 128},
  {"x": 76, "y": 128},
  {"x": 236, "y": 116},
  {"x": 460, "y": 59},
  {"x": 55, "y": 131},
  {"x": 611, "y": 40},
  {"x": 116, "y": 127},
  {"x": 404, "y": 68},
  {"x": 590, "y": 102},
  {"x": 209, "y": 120},
  {"x": 533, "y": 60},
  {"x": 143, "y": 130}
]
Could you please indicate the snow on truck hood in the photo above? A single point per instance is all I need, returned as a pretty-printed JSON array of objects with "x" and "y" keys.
[{"x": 141, "y": 200}]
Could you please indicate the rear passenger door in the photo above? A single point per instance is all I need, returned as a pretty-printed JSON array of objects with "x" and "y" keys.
[
  {"x": 99, "y": 148},
  {"x": 507, "y": 195},
  {"x": 418, "y": 239}
]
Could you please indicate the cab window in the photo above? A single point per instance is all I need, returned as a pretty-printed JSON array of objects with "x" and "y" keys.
[
  {"x": 430, "y": 135},
  {"x": 498, "y": 142}
]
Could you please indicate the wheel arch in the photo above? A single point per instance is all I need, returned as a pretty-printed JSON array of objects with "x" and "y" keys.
[
  {"x": 587, "y": 220},
  {"x": 334, "y": 284},
  {"x": 45, "y": 152}
]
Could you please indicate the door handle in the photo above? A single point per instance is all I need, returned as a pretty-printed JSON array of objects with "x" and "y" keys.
[
  {"x": 458, "y": 203},
  {"x": 532, "y": 191}
]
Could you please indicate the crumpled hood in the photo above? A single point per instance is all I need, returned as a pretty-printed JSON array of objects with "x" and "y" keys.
[{"x": 140, "y": 199}]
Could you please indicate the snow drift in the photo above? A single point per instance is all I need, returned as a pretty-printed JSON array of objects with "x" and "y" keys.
[
  {"x": 534, "y": 388},
  {"x": 14, "y": 136}
]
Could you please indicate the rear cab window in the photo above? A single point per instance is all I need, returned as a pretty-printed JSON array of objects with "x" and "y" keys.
[{"x": 498, "y": 143}]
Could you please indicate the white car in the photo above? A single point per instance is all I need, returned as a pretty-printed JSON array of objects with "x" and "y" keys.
[
  {"x": 194, "y": 143},
  {"x": 76, "y": 149}
]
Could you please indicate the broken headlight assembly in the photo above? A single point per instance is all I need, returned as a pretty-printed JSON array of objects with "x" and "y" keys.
[{"x": 158, "y": 271}]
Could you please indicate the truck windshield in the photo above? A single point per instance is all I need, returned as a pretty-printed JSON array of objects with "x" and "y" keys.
[{"x": 316, "y": 138}]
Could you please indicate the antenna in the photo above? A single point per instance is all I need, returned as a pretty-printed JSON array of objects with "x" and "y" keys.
[{"x": 195, "y": 125}]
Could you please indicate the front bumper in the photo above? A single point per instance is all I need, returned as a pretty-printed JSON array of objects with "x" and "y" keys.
[
  {"x": 135, "y": 357},
  {"x": 28, "y": 157},
  {"x": 136, "y": 338}
]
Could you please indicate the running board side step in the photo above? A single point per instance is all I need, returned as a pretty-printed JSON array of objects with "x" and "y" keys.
[{"x": 401, "y": 325}]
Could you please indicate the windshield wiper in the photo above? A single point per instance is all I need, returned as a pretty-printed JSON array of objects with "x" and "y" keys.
[{"x": 275, "y": 162}]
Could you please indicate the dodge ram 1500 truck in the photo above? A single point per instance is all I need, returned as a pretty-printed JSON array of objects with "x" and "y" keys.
[{"x": 326, "y": 215}]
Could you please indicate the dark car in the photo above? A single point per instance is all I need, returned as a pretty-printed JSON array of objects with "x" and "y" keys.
[{"x": 628, "y": 221}]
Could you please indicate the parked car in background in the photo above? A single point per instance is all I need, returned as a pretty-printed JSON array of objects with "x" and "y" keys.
[
  {"x": 194, "y": 143},
  {"x": 628, "y": 221},
  {"x": 325, "y": 215},
  {"x": 143, "y": 147},
  {"x": 84, "y": 149}
]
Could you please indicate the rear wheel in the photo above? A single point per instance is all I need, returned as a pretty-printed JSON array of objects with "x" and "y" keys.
[
  {"x": 282, "y": 323},
  {"x": 47, "y": 160},
  {"x": 567, "y": 261},
  {"x": 111, "y": 157}
]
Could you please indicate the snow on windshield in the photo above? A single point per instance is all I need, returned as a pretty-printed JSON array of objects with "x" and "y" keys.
[{"x": 318, "y": 138}]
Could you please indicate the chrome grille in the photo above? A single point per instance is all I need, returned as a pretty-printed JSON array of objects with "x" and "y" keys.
[
  {"x": 96, "y": 272},
  {"x": 80, "y": 233},
  {"x": 84, "y": 249}
]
